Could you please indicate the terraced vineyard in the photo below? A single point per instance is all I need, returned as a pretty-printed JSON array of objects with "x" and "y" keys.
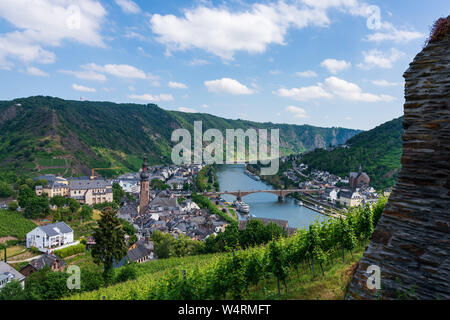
[{"x": 13, "y": 224}]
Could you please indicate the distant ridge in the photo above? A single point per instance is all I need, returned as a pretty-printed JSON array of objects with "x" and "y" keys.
[
  {"x": 378, "y": 151},
  {"x": 51, "y": 135}
]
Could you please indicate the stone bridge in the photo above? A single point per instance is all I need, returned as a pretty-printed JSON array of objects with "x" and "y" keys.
[{"x": 239, "y": 194}]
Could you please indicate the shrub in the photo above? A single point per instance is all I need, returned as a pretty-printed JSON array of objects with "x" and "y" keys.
[
  {"x": 126, "y": 273},
  {"x": 70, "y": 251}
]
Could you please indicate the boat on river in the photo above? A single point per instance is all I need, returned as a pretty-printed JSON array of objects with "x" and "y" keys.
[
  {"x": 241, "y": 206},
  {"x": 251, "y": 175}
]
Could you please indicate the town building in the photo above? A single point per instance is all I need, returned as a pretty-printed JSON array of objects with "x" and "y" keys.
[
  {"x": 349, "y": 198},
  {"x": 358, "y": 179},
  {"x": 52, "y": 261},
  {"x": 50, "y": 237},
  {"x": 8, "y": 274},
  {"x": 91, "y": 191},
  {"x": 84, "y": 190}
]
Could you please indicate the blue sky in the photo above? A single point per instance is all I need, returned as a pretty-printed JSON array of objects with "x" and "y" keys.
[{"x": 319, "y": 62}]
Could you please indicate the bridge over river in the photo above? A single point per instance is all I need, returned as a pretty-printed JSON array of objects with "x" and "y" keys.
[{"x": 239, "y": 194}]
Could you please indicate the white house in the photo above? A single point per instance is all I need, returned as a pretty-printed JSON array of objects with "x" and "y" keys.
[
  {"x": 8, "y": 273},
  {"x": 50, "y": 237}
]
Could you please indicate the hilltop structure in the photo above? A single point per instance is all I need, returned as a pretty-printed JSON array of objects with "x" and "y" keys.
[{"x": 411, "y": 243}]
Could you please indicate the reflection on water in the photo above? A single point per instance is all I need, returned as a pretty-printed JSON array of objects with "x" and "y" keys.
[{"x": 264, "y": 205}]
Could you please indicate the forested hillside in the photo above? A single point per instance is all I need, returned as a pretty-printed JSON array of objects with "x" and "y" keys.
[
  {"x": 378, "y": 151},
  {"x": 52, "y": 135}
]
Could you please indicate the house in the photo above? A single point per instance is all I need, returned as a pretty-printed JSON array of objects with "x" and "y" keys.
[
  {"x": 8, "y": 273},
  {"x": 163, "y": 202},
  {"x": 50, "y": 237},
  {"x": 349, "y": 198},
  {"x": 129, "y": 182},
  {"x": 331, "y": 194},
  {"x": 56, "y": 186},
  {"x": 140, "y": 252},
  {"x": 52, "y": 261},
  {"x": 91, "y": 191}
]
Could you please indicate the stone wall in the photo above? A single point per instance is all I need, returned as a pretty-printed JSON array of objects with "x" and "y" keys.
[{"x": 411, "y": 243}]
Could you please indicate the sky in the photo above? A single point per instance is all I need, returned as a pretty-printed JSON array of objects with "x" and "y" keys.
[{"x": 319, "y": 62}]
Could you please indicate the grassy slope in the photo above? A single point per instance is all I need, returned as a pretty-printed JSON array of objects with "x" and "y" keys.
[
  {"x": 14, "y": 224},
  {"x": 301, "y": 285},
  {"x": 148, "y": 276},
  {"x": 378, "y": 151},
  {"x": 103, "y": 134}
]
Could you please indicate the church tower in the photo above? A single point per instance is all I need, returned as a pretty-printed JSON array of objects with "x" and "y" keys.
[{"x": 144, "y": 196}]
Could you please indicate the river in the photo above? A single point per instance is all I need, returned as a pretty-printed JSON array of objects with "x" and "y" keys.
[{"x": 264, "y": 205}]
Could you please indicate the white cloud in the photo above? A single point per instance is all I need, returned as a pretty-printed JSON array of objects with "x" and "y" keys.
[
  {"x": 86, "y": 75},
  {"x": 48, "y": 23},
  {"x": 223, "y": 32},
  {"x": 275, "y": 72},
  {"x": 304, "y": 93},
  {"x": 118, "y": 70},
  {"x": 334, "y": 66},
  {"x": 128, "y": 6},
  {"x": 297, "y": 112},
  {"x": 183, "y": 109},
  {"x": 198, "y": 62},
  {"x": 152, "y": 98},
  {"x": 177, "y": 85},
  {"x": 306, "y": 74},
  {"x": 36, "y": 72},
  {"x": 376, "y": 58},
  {"x": 227, "y": 85},
  {"x": 331, "y": 88},
  {"x": 134, "y": 35},
  {"x": 205, "y": 106},
  {"x": 385, "y": 83},
  {"x": 78, "y": 87},
  {"x": 391, "y": 33},
  {"x": 352, "y": 92}
]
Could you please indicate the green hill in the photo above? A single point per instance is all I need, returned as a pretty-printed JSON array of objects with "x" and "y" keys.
[
  {"x": 52, "y": 135},
  {"x": 378, "y": 151}
]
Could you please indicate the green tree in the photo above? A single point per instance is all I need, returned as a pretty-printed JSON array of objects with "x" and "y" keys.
[
  {"x": 74, "y": 205},
  {"x": 13, "y": 205},
  {"x": 46, "y": 285},
  {"x": 163, "y": 248},
  {"x": 110, "y": 242},
  {"x": 5, "y": 190},
  {"x": 118, "y": 193},
  {"x": 86, "y": 212},
  {"x": 12, "y": 291},
  {"x": 36, "y": 207},
  {"x": 156, "y": 184},
  {"x": 26, "y": 194},
  {"x": 366, "y": 223},
  {"x": 277, "y": 261},
  {"x": 59, "y": 201}
]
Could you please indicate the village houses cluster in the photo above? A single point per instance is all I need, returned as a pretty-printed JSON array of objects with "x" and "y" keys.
[
  {"x": 336, "y": 191},
  {"x": 169, "y": 211}
]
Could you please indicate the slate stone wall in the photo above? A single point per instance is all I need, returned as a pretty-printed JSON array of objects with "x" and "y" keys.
[{"x": 411, "y": 243}]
